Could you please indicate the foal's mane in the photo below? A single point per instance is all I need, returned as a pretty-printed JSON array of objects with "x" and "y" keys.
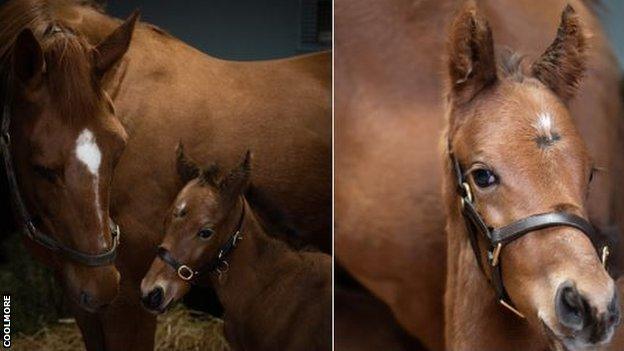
[
  {"x": 68, "y": 73},
  {"x": 511, "y": 65}
]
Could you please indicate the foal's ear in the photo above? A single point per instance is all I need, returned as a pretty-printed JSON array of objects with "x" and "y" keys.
[
  {"x": 187, "y": 168},
  {"x": 112, "y": 48},
  {"x": 470, "y": 50},
  {"x": 28, "y": 61},
  {"x": 235, "y": 183},
  {"x": 562, "y": 66}
]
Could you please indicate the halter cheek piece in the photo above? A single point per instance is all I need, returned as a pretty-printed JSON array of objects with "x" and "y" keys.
[
  {"x": 217, "y": 264},
  {"x": 25, "y": 220},
  {"x": 497, "y": 238}
]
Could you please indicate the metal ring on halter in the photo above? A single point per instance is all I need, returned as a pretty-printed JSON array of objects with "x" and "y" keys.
[
  {"x": 189, "y": 272},
  {"x": 223, "y": 267}
]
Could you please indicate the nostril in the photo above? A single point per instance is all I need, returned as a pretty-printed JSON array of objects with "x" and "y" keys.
[
  {"x": 570, "y": 306},
  {"x": 154, "y": 299}
]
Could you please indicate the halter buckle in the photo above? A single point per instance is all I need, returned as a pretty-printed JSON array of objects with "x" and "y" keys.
[
  {"x": 237, "y": 237},
  {"x": 185, "y": 272},
  {"x": 495, "y": 254},
  {"x": 605, "y": 255},
  {"x": 468, "y": 194},
  {"x": 511, "y": 308}
]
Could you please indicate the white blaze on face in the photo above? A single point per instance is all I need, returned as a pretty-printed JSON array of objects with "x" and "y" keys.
[{"x": 89, "y": 154}]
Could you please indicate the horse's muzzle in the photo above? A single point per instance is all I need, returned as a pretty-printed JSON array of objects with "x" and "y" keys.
[{"x": 582, "y": 322}]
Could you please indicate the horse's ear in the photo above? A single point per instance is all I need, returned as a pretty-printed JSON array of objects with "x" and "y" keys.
[
  {"x": 28, "y": 61},
  {"x": 187, "y": 168},
  {"x": 112, "y": 48},
  {"x": 562, "y": 66},
  {"x": 470, "y": 49},
  {"x": 235, "y": 183}
]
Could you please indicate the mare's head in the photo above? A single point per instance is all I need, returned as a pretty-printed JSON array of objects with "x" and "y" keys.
[
  {"x": 65, "y": 141},
  {"x": 203, "y": 217},
  {"x": 513, "y": 134}
]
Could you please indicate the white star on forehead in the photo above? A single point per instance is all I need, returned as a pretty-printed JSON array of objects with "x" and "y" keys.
[
  {"x": 545, "y": 124},
  {"x": 88, "y": 152},
  {"x": 546, "y": 131}
]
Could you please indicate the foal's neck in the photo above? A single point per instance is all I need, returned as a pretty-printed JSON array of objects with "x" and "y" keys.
[{"x": 253, "y": 265}]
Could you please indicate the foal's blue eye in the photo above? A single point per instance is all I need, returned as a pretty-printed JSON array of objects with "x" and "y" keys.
[
  {"x": 205, "y": 233},
  {"x": 484, "y": 178}
]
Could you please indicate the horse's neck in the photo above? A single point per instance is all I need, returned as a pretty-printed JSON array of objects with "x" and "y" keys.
[
  {"x": 475, "y": 320},
  {"x": 254, "y": 264}
]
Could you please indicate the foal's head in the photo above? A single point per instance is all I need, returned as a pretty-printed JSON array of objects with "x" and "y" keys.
[
  {"x": 512, "y": 132},
  {"x": 204, "y": 216},
  {"x": 66, "y": 140}
]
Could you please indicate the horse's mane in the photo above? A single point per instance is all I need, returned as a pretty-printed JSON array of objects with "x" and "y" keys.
[
  {"x": 511, "y": 64},
  {"x": 67, "y": 61}
]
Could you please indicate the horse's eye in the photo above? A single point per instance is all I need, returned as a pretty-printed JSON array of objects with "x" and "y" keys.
[
  {"x": 46, "y": 173},
  {"x": 484, "y": 178},
  {"x": 205, "y": 233}
]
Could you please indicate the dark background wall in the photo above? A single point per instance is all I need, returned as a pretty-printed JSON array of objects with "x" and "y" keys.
[
  {"x": 612, "y": 15},
  {"x": 260, "y": 29},
  {"x": 238, "y": 29}
]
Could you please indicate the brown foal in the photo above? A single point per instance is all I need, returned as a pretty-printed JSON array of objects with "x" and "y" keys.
[
  {"x": 521, "y": 154},
  {"x": 274, "y": 298}
]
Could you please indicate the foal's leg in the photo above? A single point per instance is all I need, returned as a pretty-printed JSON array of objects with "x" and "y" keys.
[{"x": 126, "y": 325}]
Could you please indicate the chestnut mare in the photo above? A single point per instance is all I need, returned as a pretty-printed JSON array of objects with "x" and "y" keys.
[
  {"x": 274, "y": 298},
  {"x": 164, "y": 92},
  {"x": 525, "y": 146},
  {"x": 60, "y": 143}
]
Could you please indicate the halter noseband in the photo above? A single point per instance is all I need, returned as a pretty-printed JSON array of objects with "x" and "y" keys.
[
  {"x": 218, "y": 264},
  {"x": 497, "y": 238},
  {"x": 25, "y": 220}
]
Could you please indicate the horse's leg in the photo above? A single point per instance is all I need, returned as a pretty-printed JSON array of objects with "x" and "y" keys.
[
  {"x": 125, "y": 324},
  {"x": 90, "y": 327}
]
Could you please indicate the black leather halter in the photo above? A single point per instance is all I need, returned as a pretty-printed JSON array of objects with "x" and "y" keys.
[
  {"x": 24, "y": 219},
  {"x": 218, "y": 264},
  {"x": 497, "y": 238}
]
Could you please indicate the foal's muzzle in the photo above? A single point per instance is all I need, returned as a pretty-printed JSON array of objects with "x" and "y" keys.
[
  {"x": 583, "y": 322},
  {"x": 154, "y": 299}
]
